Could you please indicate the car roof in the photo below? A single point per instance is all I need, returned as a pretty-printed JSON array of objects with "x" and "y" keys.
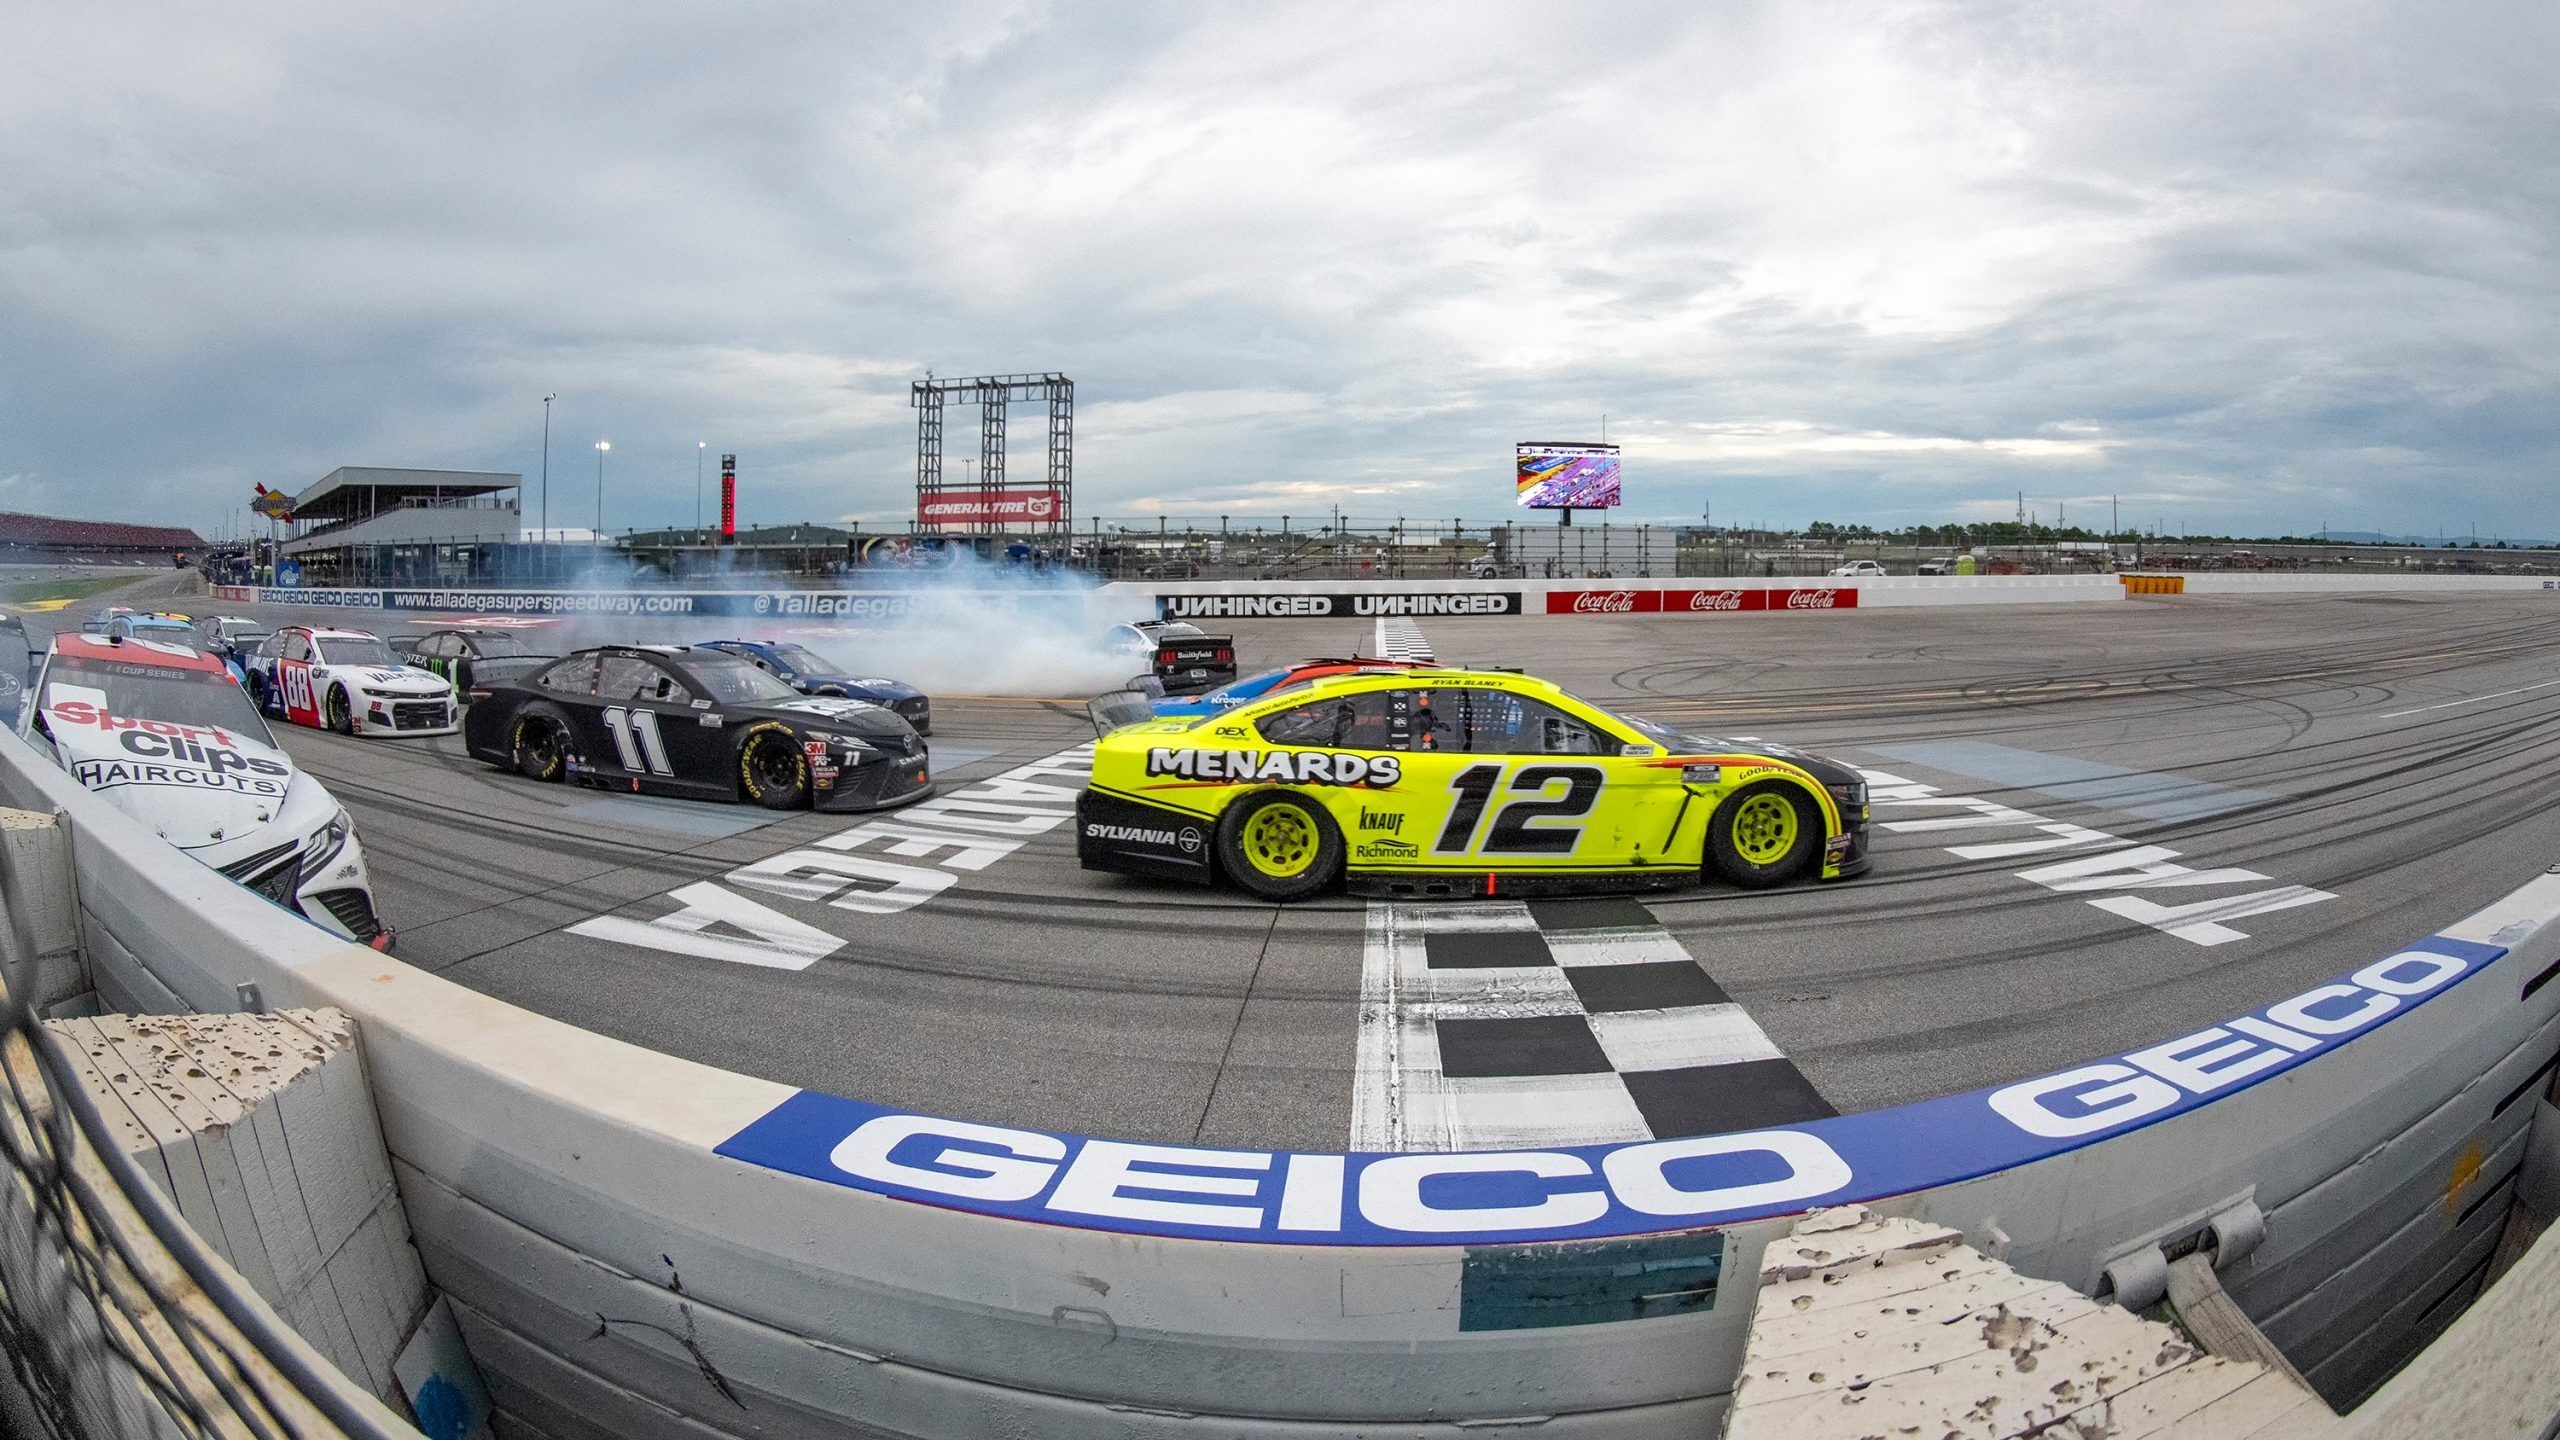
[
  {"x": 72, "y": 645},
  {"x": 1420, "y": 675},
  {"x": 331, "y": 632}
]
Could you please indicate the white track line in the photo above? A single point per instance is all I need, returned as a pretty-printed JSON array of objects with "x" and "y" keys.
[
  {"x": 1401, "y": 639},
  {"x": 2449, "y": 704}
]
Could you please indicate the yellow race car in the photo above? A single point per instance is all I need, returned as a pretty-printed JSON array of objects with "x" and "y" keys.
[{"x": 1431, "y": 782}]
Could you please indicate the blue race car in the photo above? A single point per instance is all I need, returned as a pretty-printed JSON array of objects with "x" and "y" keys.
[
  {"x": 174, "y": 629},
  {"x": 1254, "y": 687},
  {"x": 811, "y": 673}
]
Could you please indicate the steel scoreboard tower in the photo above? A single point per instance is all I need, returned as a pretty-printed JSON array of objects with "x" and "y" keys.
[{"x": 988, "y": 506}]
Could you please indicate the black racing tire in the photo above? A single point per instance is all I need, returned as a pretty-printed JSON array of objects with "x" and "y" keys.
[
  {"x": 1765, "y": 835},
  {"x": 337, "y": 712},
  {"x": 256, "y": 685},
  {"x": 772, "y": 771},
  {"x": 1279, "y": 845},
  {"x": 538, "y": 744}
]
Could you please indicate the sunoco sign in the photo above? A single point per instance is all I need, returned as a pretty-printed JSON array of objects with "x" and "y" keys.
[{"x": 1358, "y": 605}]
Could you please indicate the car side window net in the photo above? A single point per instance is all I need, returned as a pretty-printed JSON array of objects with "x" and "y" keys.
[
  {"x": 628, "y": 677},
  {"x": 571, "y": 677},
  {"x": 1366, "y": 721},
  {"x": 1496, "y": 722}
]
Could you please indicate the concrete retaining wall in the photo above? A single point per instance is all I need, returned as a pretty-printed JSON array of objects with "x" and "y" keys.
[{"x": 640, "y": 1245}]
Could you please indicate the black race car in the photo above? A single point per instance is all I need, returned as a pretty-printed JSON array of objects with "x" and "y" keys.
[
  {"x": 680, "y": 720},
  {"x": 474, "y": 658}
]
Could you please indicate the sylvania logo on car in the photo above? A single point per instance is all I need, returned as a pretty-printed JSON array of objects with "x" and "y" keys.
[{"x": 1298, "y": 767}]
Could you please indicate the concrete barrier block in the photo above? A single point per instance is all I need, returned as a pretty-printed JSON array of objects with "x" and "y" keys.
[
  {"x": 264, "y": 1133},
  {"x": 43, "y": 967}
]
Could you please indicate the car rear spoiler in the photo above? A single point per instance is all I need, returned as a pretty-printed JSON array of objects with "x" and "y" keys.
[{"x": 1116, "y": 708}]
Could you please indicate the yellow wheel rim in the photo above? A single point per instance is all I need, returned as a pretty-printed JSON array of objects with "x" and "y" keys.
[
  {"x": 1764, "y": 829},
  {"x": 1280, "y": 840}
]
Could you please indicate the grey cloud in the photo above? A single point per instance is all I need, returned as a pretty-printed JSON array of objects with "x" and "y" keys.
[{"x": 2259, "y": 252}]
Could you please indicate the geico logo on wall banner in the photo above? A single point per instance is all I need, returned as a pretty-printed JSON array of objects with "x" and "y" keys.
[
  {"x": 1356, "y": 605},
  {"x": 1576, "y": 1192}
]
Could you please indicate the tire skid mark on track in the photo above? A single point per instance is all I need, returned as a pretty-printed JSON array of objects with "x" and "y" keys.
[{"x": 1931, "y": 971}]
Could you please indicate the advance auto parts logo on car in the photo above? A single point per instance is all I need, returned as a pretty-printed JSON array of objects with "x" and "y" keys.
[{"x": 1294, "y": 767}]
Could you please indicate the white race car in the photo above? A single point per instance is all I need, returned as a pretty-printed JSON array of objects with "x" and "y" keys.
[
  {"x": 350, "y": 682},
  {"x": 163, "y": 733}
]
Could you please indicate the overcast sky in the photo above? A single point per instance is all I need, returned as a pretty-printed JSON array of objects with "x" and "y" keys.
[{"x": 2250, "y": 267}]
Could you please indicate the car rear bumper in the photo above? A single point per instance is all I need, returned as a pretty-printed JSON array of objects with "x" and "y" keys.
[
  {"x": 1130, "y": 837},
  {"x": 1195, "y": 679}
]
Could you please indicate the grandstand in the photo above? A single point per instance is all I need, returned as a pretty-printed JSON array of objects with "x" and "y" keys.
[{"x": 42, "y": 538}]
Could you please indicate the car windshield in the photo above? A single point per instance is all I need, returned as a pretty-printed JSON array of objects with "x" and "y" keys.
[
  {"x": 733, "y": 681},
  {"x": 154, "y": 692},
  {"x": 805, "y": 660},
  {"x": 351, "y": 650}
]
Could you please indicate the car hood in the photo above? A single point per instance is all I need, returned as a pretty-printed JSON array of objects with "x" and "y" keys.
[
  {"x": 854, "y": 717},
  {"x": 387, "y": 679},
  {"x": 196, "y": 785},
  {"x": 869, "y": 685}
]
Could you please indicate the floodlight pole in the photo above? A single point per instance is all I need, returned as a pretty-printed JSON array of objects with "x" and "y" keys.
[{"x": 546, "y": 464}]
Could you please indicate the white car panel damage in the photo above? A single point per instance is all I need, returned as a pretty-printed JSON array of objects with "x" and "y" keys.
[{"x": 164, "y": 734}]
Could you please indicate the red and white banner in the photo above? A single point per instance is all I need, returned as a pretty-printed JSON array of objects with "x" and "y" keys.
[
  {"x": 990, "y": 507},
  {"x": 1721, "y": 600},
  {"x": 1603, "y": 602}
]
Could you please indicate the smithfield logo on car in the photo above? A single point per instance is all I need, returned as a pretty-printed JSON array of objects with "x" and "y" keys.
[{"x": 1305, "y": 767}]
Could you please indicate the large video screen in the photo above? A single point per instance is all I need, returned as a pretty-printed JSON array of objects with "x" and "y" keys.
[{"x": 1567, "y": 477}]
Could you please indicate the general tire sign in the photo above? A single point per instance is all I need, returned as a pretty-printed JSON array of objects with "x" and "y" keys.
[{"x": 1288, "y": 605}]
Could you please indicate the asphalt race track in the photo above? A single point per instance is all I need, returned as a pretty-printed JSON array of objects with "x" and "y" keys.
[{"x": 2098, "y": 827}]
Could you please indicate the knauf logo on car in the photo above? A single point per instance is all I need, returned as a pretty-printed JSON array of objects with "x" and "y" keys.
[
  {"x": 1812, "y": 599},
  {"x": 1715, "y": 600},
  {"x": 1612, "y": 602}
]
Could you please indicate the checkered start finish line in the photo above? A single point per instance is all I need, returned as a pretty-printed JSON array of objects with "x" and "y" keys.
[{"x": 1633, "y": 1187}]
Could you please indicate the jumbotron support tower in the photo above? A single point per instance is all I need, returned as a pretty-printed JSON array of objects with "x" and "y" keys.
[{"x": 989, "y": 506}]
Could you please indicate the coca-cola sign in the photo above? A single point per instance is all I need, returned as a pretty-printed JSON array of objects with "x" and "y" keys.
[
  {"x": 1723, "y": 599},
  {"x": 1604, "y": 602},
  {"x": 1820, "y": 599}
]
